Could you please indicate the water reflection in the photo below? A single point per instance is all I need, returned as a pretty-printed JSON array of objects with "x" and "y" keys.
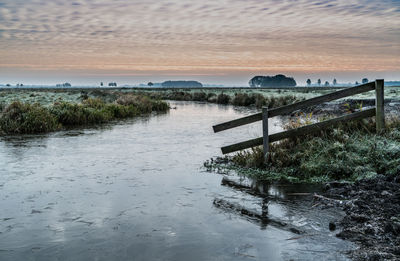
[{"x": 267, "y": 192}]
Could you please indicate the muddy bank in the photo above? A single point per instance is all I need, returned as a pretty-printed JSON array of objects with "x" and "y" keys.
[{"x": 372, "y": 219}]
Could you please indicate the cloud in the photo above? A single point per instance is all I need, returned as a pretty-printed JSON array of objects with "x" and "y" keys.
[{"x": 224, "y": 33}]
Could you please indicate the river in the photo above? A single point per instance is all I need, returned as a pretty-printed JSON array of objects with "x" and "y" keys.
[{"x": 137, "y": 190}]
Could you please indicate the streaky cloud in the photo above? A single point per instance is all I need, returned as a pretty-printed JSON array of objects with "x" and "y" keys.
[{"x": 331, "y": 34}]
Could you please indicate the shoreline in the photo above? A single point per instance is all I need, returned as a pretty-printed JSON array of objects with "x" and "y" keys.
[{"x": 372, "y": 215}]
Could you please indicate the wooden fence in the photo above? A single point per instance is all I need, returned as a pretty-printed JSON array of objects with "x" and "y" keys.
[{"x": 378, "y": 111}]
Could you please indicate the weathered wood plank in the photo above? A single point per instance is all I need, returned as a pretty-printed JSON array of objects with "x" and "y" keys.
[
  {"x": 237, "y": 122},
  {"x": 321, "y": 125},
  {"x": 380, "y": 105},
  {"x": 242, "y": 145},
  {"x": 265, "y": 133},
  {"x": 308, "y": 129},
  {"x": 321, "y": 99},
  {"x": 296, "y": 106}
]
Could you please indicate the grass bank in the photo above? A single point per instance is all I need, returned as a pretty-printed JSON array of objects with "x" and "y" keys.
[
  {"x": 230, "y": 98},
  {"x": 349, "y": 152},
  {"x": 26, "y": 118}
]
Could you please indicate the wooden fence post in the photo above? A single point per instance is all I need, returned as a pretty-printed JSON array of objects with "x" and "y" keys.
[
  {"x": 265, "y": 133},
  {"x": 380, "y": 105}
]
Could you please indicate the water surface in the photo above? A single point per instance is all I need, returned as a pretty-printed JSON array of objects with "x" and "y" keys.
[{"x": 136, "y": 190}]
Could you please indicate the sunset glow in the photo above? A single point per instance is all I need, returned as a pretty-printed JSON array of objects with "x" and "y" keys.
[{"x": 212, "y": 41}]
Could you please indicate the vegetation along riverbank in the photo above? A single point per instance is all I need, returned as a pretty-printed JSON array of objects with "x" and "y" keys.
[
  {"x": 349, "y": 152},
  {"x": 22, "y": 117},
  {"x": 46, "y": 110}
]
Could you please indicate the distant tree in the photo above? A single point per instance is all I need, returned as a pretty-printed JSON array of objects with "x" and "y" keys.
[
  {"x": 279, "y": 80},
  {"x": 326, "y": 84},
  {"x": 101, "y": 84},
  {"x": 150, "y": 84},
  {"x": 319, "y": 82},
  {"x": 188, "y": 84},
  {"x": 308, "y": 82},
  {"x": 67, "y": 84},
  {"x": 8, "y": 85},
  {"x": 112, "y": 84},
  {"x": 365, "y": 80},
  {"x": 334, "y": 82},
  {"x": 357, "y": 83}
]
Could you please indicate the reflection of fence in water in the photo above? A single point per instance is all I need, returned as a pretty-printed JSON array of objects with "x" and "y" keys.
[{"x": 260, "y": 190}]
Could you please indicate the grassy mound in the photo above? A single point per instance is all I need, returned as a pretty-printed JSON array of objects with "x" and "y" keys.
[
  {"x": 21, "y": 118},
  {"x": 349, "y": 152}
]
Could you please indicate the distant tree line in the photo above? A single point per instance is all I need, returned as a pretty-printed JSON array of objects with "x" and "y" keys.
[
  {"x": 9, "y": 85},
  {"x": 67, "y": 84},
  {"x": 279, "y": 80},
  {"x": 112, "y": 84},
  {"x": 188, "y": 84},
  {"x": 334, "y": 82}
]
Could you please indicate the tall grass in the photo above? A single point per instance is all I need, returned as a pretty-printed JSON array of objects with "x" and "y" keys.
[
  {"x": 69, "y": 114},
  {"x": 348, "y": 152},
  {"x": 223, "y": 98},
  {"x": 21, "y": 118},
  {"x": 238, "y": 99},
  {"x": 200, "y": 96}
]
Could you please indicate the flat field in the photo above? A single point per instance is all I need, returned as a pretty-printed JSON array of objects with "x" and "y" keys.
[{"x": 47, "y": 96}]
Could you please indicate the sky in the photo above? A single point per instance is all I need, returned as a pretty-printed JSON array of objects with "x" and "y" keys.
[{"x": 224, "y": 41}]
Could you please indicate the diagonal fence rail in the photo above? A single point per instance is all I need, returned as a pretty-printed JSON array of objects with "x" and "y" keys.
[{"x": 378, "y": 112}]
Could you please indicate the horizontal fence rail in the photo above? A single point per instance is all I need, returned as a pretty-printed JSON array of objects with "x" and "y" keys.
[
  {"x": 296, "y": 106},
  {"x": 308, "y": 129}
]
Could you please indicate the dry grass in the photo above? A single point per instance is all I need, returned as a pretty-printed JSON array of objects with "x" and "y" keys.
[{"x": 348, "y": 152}]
